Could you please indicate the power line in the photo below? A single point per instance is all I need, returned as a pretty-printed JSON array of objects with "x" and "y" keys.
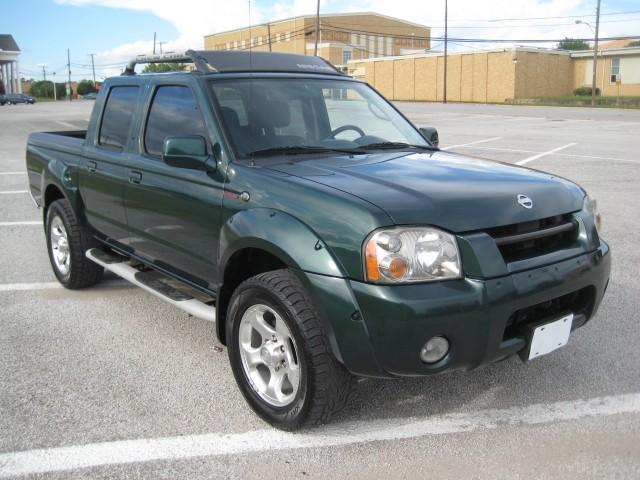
[
  {"x": 538, "y": 25},
  {"x": 562, "y": 16},
  {"x": 477, "y": 40}
]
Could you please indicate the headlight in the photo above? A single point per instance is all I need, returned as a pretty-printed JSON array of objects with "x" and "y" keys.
[
  {"x": 411, "y": 254},
  {"x": 591, "y": 206}
]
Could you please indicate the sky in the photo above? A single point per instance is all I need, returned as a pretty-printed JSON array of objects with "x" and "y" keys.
[{"x": 116, "y": 30}]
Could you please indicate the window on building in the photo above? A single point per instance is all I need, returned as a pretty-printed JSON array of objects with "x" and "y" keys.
[
  {"x": 287, "y": 36},
  {"x": 615, "y": 69},
  {"x": 259, "y": 40},
  {"x": 277, "y": 38},
  {"x": 174, "y": 113},
  {"x": 346, "y": 56},
  {"x": 117, "y": 116}
]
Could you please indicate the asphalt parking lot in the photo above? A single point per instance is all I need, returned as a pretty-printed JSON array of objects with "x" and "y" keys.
[{"x": 111, "y": 382}]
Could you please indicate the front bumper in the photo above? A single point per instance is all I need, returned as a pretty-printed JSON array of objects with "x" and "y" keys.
[{"x": 481, "y": 318}]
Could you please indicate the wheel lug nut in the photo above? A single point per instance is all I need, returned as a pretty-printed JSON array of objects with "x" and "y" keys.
[{"x": 282, "y": 348}]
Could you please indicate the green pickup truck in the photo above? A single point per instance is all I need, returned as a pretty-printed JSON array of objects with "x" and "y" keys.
[{"x": 326, "y": 236}]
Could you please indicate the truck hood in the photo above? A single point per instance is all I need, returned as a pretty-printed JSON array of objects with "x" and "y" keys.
[{"x": 452, "y": 191}]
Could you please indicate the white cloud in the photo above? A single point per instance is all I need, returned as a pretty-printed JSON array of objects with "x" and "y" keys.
[
  {"x": 195, "y": 18},
  {"x": 192, "y": 18}
]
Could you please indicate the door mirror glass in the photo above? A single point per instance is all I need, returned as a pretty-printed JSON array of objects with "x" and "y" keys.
[
  {"x": 431, "y": 134},
  {"x": 187, "y": 152}
]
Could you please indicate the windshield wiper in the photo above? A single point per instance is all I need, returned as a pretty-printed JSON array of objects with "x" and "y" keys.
[
  {"x": 392, "y": 145},
  {"x": 298, "y": 150}
]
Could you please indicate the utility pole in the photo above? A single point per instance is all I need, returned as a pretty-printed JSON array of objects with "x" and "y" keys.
[
  {"x": 93, "y": 67},
  {"x": 269, "y": 34},
  {"x": 160, "y": 45},
  {"x": 595, "y": 58},
  {"x": 444, "y": 95},
  {"x": 69, "y": 69},
  {"x": 315, "y": 49},
  {"x": 154, "y": 43},
  {"x": 44, "y": 74},
  {"x": 55, "y": 94}
]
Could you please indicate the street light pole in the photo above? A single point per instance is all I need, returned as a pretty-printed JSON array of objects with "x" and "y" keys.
[
  {"x": 595, "y": 58},
  {"x": 315, "y": 48},
  {"x": 444, "y": 94},
  {"x": 69, "y": 69},
  {"x": 93, "y": 67}
]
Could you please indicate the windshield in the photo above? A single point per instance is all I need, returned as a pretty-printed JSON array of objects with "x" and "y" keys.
[{"x": 300, "y": 115}]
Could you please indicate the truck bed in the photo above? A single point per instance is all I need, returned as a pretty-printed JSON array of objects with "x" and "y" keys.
[{"x": 48, "y": 149}]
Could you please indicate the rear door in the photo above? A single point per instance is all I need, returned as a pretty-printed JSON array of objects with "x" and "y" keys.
[
  {"x": 104, "y": 175},
  {"x": 174, "y": 214}
]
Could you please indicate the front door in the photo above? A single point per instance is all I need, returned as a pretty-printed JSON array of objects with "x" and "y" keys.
[{"x": 174, "y": 214}]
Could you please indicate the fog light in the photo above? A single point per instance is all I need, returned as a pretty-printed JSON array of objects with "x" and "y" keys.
[{"x": 434, "y": 350}]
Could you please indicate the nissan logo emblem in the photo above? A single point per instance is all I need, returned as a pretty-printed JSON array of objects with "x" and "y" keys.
[{"x": 525, "y": 201}]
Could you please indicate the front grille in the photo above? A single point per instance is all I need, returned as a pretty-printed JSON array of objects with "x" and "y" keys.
[
  {"x": 579, "y": 302},
  {"x": 531, "y": 239}
]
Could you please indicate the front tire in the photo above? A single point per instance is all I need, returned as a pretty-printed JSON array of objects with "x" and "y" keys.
[
  {"x": 67, "y": 242},
  {"x": 280, "y": 354}
]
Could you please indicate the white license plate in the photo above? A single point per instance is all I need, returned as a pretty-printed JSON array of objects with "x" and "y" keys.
[{"x": 550, "y": 336}]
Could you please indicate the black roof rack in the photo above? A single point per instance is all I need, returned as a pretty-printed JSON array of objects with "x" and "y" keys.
[{"x": 214, "y": 61}]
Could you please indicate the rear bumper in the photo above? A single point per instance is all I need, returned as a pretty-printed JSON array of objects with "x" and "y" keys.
[{"x": 476, "y": 316}]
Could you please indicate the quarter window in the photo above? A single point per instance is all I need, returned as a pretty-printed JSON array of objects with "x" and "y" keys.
[
  {"x": 117, "y": 116},
  {"x": 174, "y": 113}
]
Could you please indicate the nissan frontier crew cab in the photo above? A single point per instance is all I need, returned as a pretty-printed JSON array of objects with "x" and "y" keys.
[{"x": 326, "y": 235}]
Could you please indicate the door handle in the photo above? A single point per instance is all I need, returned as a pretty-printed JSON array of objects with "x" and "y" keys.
[
  {"x": 92, "y": 166},
  {"x": 135, "y": 177}
]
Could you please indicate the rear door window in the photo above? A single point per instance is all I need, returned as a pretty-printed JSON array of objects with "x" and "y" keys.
[
  {"x": 174, "y": 112},
  {"x": 117, "y": 116}
]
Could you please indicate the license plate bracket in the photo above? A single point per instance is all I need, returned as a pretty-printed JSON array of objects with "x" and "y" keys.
[{"x": 546, "y": 336}]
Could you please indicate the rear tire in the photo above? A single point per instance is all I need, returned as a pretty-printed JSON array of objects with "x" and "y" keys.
[
  {"x": 67, "y": 242},
  {"x": 315, "y": 384}
]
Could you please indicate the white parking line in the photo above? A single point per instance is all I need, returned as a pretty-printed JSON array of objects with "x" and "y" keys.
[
  {"x": 471, "y": 143},
  {"x": 16, "y": 287},
  {"x": 15, "y": 224},
  {"x": 12, "y": 192},
  {"x": 544, "y": 154},
  {"x": 576, "y": 155},
  {"x": 215, "y": 444},
  {"x": 13, "y": 173},
  {"x": 68, "y": 125}
]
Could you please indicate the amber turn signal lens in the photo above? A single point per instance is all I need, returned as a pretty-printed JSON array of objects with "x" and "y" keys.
[
  {"x": 372, "y": 262},
  {"x": 394, "y": 267}
]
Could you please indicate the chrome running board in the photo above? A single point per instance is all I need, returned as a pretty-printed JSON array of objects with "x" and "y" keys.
[{"x": 152, "y": 283}]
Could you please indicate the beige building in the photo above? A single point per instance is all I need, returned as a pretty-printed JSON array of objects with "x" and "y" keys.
[
  {"x": 342, "y": 37},
  {"x": 500, "y": 76}
]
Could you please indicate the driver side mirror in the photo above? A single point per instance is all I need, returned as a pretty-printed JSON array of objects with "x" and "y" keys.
[
  {"x": 431, "y": 134},
  {"x": 187, "y": 152}
]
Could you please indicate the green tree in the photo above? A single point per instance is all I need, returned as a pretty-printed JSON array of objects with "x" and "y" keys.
[
  {"x": 573, "y": 44},
  {"x": 61, "y": 90},
  {"x": 86, "y": 86},
  {"x": 163, "y": 67},
  {"x": 44, "y": 89},
  {"x": 635, "y": 43}
]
